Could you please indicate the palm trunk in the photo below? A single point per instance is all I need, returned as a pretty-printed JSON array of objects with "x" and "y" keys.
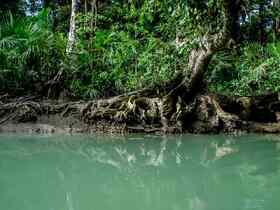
[{"x": 72, "y": 28}]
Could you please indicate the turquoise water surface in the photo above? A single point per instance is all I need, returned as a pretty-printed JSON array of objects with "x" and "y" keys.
[{"x": 139, "y": 172}]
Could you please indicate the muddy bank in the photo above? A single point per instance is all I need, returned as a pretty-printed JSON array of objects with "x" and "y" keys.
[{"x": 206, "y": 114}]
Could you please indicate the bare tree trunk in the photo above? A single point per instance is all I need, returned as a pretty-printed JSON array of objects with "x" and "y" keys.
[
  {"x": 94, "y": 14},
  {"x": 86, "y": 6},
  {"x": 72, "y": 28}
]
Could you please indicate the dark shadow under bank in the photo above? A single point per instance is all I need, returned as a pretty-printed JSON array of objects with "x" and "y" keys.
[{"x": 206, "y": 114}]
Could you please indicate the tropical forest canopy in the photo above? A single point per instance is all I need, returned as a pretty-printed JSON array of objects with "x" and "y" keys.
[{"x": 125, "y": 45}]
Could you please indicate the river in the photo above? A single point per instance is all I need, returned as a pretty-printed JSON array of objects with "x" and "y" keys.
[{"x": 139, "y": 172}]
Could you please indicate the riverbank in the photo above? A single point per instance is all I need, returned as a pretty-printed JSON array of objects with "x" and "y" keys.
[{"x": 207, "y": 114}]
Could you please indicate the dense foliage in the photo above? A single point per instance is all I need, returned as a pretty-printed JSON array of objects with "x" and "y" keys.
[
  {"x": 252, "y": 70},
  {"x": 126, "y": 45},
  {"x": 30, "y": 53}
]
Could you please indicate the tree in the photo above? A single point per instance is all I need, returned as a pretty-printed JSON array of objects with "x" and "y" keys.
[{"x": 169, "y": 104}]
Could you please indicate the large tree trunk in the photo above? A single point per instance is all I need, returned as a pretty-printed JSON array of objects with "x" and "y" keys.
[
  {"x": 200, "y": 58},
  {"x": 72, "y": 28}
]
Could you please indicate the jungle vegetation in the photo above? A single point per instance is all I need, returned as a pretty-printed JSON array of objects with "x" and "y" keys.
[{"x": 229, "y": 47}]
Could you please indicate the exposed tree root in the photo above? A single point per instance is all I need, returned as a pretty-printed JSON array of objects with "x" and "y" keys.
[{"x": 137, "y": 112}]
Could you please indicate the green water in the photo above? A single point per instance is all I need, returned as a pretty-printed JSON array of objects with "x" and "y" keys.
[{"x": 139, "y": 173}]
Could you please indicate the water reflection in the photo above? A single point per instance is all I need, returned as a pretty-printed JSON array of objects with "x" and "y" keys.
[{"x": 139, "y": 172}]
